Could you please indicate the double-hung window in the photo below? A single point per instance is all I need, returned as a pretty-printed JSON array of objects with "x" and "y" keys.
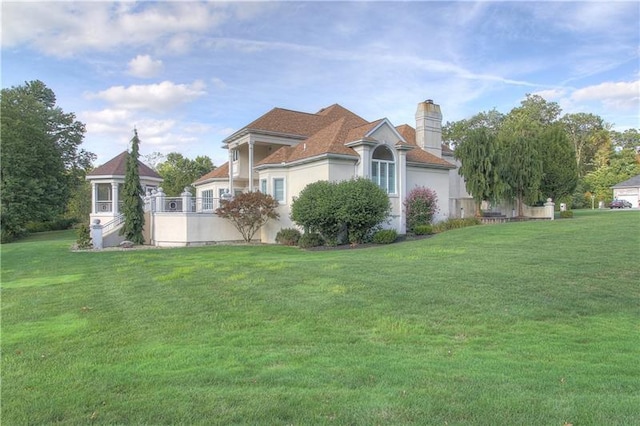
[
  {"x": 278, "y": 189},
  {"x": 383, "y": 169},
  {"x": 207, "y": 200},
  {"x": 263, "y": 186}
]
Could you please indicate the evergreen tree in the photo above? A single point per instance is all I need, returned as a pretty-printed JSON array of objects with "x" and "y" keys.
[
  {"x": 133, "y": 208},
  {"x": 560, "y": 171}
]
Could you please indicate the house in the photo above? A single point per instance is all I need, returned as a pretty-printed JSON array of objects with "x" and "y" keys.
[
  {"x": 283, "y": 151},
  {"x": 628, "y": 190}
]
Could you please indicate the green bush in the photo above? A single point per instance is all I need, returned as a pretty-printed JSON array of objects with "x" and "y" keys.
[
  {"x": 385, "y": 236},
  {"x": 310, "y": 239},
  {"x": 350, "y": 209},
  {"x": 288, "y": 236},
  {"x": 84, "y": 237},
  {"x": 456, "y": 223},
  {"x": 423, "y": 230},
  {"x": 315, "y": 210},
  {"x": 567, "y": 214}
]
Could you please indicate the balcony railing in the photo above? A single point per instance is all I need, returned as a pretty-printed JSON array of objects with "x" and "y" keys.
[{"x": 177, "y": 205}]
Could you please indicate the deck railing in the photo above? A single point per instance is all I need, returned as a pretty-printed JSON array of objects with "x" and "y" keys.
[{"x": 183, "y": 205}]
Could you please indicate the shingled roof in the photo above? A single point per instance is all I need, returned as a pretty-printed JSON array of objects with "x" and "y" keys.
[
  {"x": 323, "y": 133},
  {"x": 117, "y": 166},
  {"x": 633, "y": 183},
  {"x": 221, "y": 172}
]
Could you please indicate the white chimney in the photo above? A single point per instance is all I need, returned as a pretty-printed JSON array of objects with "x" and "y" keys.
[{"x": 429, "y": 127}]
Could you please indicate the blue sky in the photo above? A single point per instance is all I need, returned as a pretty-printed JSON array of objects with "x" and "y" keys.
[{"x": 188, "y": 74}]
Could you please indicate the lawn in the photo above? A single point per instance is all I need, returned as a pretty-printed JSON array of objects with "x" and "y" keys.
[{"x": 532, "y": 323}]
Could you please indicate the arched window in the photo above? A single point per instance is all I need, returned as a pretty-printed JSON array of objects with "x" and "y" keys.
[{"x": 383, "y": 169}]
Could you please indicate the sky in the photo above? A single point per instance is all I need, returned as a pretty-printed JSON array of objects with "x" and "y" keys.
[{"x": 188, "y": 74}]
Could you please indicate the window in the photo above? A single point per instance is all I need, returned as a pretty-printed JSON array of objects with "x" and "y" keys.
[
  {"x": 263, "y": 186},
  {"x": 104, "y": 191},
  {"x": 278, "y": 189},
  {"x": 236, "y": 155},
  {"x": 104, "y": 196},
  {"x": 383, "y": 169},
  {"x": 207, "y": 200}
]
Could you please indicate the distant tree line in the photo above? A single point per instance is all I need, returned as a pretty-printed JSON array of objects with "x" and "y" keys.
[{"x": 533, "y": 153}]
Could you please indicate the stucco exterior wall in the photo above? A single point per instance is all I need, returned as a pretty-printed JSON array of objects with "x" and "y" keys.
[
  {"x": 187, "y": 229},
  {"x": 435, "y": 179}
]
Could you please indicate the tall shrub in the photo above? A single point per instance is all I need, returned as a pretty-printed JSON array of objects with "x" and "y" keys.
[
  {"x": 363, "y": 206},
  {"x": 133, "y": 207},
  {"x": 421, "y": 206},
  {"x": 315, "y": 210},
  {"x": 351, "y": 208}
]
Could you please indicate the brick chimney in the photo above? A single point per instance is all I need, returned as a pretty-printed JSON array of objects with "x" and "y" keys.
[{"x": 429, "y": 127}]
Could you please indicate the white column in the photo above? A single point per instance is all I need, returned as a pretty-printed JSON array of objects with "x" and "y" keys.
[
  {"x": 401, "y": 172},
  {"x": 231, "y": 170},
  {"x": 94, "y": 198},
  {"x": 114, "y": 198},
  {"x": 250, "y": 166}
]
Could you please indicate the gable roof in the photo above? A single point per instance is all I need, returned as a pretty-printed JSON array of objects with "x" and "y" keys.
[
  {"x": 324, "y": 133},
  {"x": 117, "y": 166},
  {"x": 634, "y": 182}
]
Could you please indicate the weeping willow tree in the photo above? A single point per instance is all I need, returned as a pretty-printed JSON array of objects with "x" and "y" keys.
[
  {"x": 521, "y": 165},
  {"x": 133, "y": 208},
  {"x": 479, "y": 156}
]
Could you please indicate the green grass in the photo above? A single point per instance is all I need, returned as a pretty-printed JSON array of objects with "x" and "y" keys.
[{"x": 533, "y": 323}]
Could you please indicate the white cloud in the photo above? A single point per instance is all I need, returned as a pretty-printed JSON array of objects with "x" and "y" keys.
[
  {"x": 67, "y": 28},
  {"x": 551, "y": 94},
  {"x": 111, "y": 121},
  {"x": 159, "y": 97},
  {"x": 144, "y": 66},
  {"x": 615, "y": 95}
]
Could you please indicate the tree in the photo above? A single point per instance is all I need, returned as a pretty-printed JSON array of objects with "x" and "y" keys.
[
  {"x": 179, "y": 172},
  {"x": 559, "y": 170},
  {"x": 629, "y": 139},
  {"x": 479, "y": 156},
  {"x": 587, "y": 133},
  {"x": 133, "y": 208},
  {"x": 248, "y": 212},
  {"x": 41, "y": 159},
  {"x": 154, "y": 159},
  {"x": 520, "y": 159},
  {"x": 454, "y": 132}
]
